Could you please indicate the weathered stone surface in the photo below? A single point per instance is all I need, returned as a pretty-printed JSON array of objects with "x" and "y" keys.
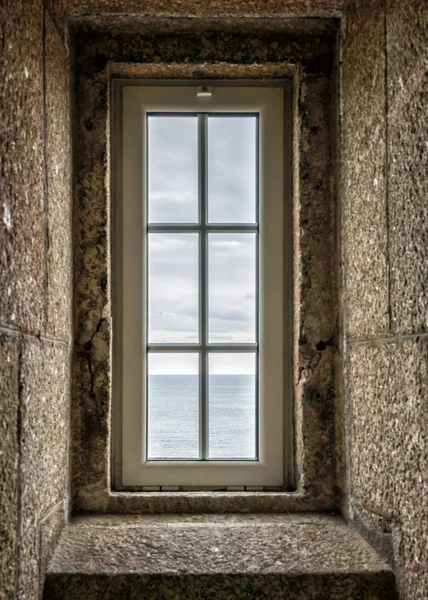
[
  {"x": 226, "y": 519},
  {"x": 364, "y": 185},
  {"x": 389, "y": 448},
  {"x": 209, "y": 7},
  {"x": 44, "y": 423},
  {"x": 50, "y": 530},
  {"x": 58, "y": 185},
  {"x": 252, "y": 42},
  {"x": 315, "y": 288},
  {"x": 387, "y": 384},
  {"x": 58, "y": 10},
  {"x": 9, "y": 406},
  {"x": 43, "y": 448},
  {"x": 382, "y": 533},
  {"x": 21, "y": 173},
  {"x": 246, "y": 557},
  {"x": 259, "y": 50},
  {"x": 407, "y": 34}
]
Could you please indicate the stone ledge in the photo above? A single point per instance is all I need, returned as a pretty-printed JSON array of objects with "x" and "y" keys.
[{"x": 229, "y": 556}]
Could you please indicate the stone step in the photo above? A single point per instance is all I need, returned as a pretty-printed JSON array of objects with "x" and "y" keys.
[{"x": 217, "y": 557}]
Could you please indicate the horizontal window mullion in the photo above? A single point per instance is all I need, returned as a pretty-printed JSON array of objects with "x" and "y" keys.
[
  {"x": 202, "y": 347},
  {"x": 191, "y": 228}
]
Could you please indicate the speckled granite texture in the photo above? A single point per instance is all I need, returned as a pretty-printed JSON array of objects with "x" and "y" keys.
[
  {"x": 22, "y": 275},
  {"x": 385, "y": 249},
  {"x": 58, "y": 241},
  {"x": 383, "y": 66},
  {"x": 365, "y": 233},
  {"x": 169, "y": 49},
  {"x": 220, "y": 8},
  {"x": 234, "y": 557},
  {"x": 389, "y": 449},
  {"x": 9, "y": 398},
  {"x": 43, "y": 446},
  {"x": 407, "y": 27},
  {"x": 34, "y": 294}
]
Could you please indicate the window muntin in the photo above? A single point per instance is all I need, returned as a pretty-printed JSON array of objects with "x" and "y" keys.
[{"x": 137, "y": 468}]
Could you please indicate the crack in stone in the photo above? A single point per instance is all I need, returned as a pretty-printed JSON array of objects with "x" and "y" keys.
[{"x": 87, "y": 347}]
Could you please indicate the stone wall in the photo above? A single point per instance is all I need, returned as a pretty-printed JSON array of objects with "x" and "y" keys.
[
  {"x": 35, "y": 265},
  {"x": 384, "y": 256},
  {"x": 385, "y": 218},
  {"x": 168, "y": 48}
]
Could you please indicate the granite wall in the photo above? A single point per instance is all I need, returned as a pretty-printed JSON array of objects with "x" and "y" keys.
[
  {"x": 168, "y": 48},
  {"x": 35, "y": 265},
  {"x": 385, "y": 257},
  {"x": 383, "y": 226}
]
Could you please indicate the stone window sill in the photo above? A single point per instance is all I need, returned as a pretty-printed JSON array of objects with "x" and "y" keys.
[{"x": 215, "y": 556}]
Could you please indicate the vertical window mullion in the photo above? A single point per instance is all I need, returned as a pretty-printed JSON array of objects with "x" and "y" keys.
[{"x": 203, "y": 284}]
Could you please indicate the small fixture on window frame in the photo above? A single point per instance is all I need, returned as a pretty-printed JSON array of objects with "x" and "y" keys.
[{"x": 204, "y": 91}]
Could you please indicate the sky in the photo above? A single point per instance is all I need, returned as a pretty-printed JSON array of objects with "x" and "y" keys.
[{"x": 173, "y": 257}]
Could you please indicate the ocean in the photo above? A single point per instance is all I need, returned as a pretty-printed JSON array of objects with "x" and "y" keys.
[{"x": 173, "y": 417}]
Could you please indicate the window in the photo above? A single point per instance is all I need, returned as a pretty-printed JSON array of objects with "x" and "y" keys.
[{"x": 199, "y": 297}]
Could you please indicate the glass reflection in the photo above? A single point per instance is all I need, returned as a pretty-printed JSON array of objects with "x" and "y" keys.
[
  {"x": 173, "y": 406},
  {"x": 172, "y": 148},
  {"x": 173, "y": 287},
  {"x": 232, "y": 287},
  {"x": 232, "y": 167},
  {"x": 232, "y": 406}
]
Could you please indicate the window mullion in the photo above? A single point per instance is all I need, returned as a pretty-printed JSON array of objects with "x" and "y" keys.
[{"x": 203, "y": 286}]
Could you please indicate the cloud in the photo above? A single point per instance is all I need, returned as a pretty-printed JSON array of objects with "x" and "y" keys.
[
  {"x": 231, "y": 169},
  {"x": 172, "y": 169},
  {"x": 173, "y": 258}
]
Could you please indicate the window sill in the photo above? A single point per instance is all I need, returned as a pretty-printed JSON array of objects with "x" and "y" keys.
[
  {"x": 97, "y": 500},
  {"x": 215, "y": 556}
]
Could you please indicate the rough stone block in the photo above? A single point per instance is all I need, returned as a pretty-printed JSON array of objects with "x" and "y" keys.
[
  {"x": 315, "y": 227},
  {"x": 210, "y": 7},
  {"x": 58, "y": 185},
  {"x": 28, "y": 567},
  {"x": 44, "y": 430},
  {"x": 22, "y": 166},
  {"x": 59, "y": 12},
  {"x": 51, "y": 527},
  {"x": 364, "y": 186},
  {"x": 45, "y": 376},
  {"x": 283, "y": 558},
  {"x": 407, "y": 33},
  {"x": 43, "y": 466},
  {"x": 9, "y": 398},
  {"x": 387, "y": 391}
]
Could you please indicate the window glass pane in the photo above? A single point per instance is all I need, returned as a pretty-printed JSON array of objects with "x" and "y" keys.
[
  {"x": 173, "y": 406},
  {"x": 172, "y": 148},
  {"x": 232, "y": 287},
  {"x": 173, "y": 287},
  {"x": 232, "y": 167},
  {"x": 232, "y": 406}
]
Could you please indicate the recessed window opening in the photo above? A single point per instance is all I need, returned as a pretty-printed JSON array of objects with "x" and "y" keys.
[{"x": 200, "y": 234}]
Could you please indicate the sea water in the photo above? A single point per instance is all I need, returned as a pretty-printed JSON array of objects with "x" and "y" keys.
[{"x": 173, "y": 417}]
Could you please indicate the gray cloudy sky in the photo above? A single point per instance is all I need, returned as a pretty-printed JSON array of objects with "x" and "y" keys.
[{"x": 173, "y": 258}]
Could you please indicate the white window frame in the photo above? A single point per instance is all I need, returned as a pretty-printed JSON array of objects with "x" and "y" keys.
[{"x": 130, "y": 284}]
